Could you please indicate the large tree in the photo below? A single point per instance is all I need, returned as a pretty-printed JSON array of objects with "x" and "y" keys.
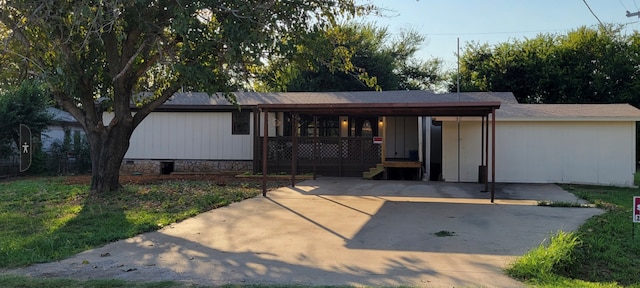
[
  {"x": 108, "y": 54},
  {"x": 584, "y": 66},
  {"x": 376, "y": 58}
]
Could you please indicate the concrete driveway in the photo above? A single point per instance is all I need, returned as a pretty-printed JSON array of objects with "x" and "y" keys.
[{"x": 342, "y": 231}]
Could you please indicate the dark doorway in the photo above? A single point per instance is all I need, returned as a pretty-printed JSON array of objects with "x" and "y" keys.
[{"x": 435, "y": 167}]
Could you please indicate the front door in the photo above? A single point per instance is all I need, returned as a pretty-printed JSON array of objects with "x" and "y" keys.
[{"x": 401, "y": 138}]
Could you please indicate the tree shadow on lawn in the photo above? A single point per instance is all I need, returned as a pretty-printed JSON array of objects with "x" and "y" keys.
[
  {"x": 156, "y": 256},
  {"x": 80, "y": 232}
]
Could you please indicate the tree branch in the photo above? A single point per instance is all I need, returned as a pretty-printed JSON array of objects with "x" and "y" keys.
[
  {"x": 151, "y": 106},
  {"x": 127, "y": 66}
]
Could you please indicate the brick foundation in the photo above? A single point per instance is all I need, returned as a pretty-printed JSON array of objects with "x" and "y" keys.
[{"x": 131, "y": 166}]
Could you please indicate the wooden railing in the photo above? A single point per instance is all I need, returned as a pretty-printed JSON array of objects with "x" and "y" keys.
[{"x": 331, "y": 156}]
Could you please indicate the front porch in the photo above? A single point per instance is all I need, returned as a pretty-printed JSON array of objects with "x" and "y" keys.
[
  {"x": 333, "y": 154},
  {"x": 326, "y": 156}
]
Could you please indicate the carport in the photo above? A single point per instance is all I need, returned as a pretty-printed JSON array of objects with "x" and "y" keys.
[{"x": 434, "y": 109}]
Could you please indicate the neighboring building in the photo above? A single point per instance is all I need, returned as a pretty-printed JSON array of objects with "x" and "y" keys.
[
  {"x": 61, "y": 121},
  {"x": 414, "y": 134}
]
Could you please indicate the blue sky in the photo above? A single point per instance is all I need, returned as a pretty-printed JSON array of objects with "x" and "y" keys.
[{"x": 495, "y": 21}]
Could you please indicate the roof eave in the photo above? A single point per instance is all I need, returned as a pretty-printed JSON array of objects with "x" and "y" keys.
[
  {"x": 390, "y": 109},
  {"x": 571, "y": 119}
]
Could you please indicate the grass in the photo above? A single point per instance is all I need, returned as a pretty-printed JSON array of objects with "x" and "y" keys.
[
  {"x": 602, "y": 253},
  {"x": 564, "y": 204},
  {"x": 44, "y": 219},
  {"x": 555, "y": 254},
  {"x": 444, "y": 233},
  {"x": 26, "y": 282}
]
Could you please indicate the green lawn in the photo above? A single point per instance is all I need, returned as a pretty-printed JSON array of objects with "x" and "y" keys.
[
  {"x": 25, "y": 282},
  {"x": 44, "y": 219},
  {"x": 602, "y": 253}
]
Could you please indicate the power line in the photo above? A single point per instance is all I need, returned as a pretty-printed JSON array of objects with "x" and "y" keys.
[
  {"x": 623, "y": 6},
  {"x": 495, "y": 33},
  {"x": 594, "y": 14}
]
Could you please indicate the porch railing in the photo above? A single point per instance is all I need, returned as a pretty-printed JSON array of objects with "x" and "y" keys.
[{"x": 331, "y": 156}]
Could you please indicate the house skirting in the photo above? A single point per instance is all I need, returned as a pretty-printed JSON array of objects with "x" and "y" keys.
[{"x": 147, "y": 166}]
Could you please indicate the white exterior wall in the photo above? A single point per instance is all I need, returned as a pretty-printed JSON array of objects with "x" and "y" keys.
[
  {"x": 271, "y": 117},
  {"x": 546, "y": 152},
  {"x": 56, "y": 133},
  {"x": 470, "y": 154},
  {"x": 193, "y": 135}
]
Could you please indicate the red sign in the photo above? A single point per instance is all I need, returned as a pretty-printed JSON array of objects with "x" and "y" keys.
[
  {"x": 636, "y": 209},
  {"x": 377, "y": 140}
]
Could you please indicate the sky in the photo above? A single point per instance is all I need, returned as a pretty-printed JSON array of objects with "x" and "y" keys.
[{"x": 442, "y": 22}]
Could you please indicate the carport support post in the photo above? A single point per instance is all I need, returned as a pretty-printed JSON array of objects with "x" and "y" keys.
[
  {"x": 493, "y": 154},
  {"x": 315, "y": 146},
  {"x": 486, "y": 154},
  {"x": 294, "y": 148},
  {"x": 256, "y": 140},
  {"x": 265, "y": 150}
]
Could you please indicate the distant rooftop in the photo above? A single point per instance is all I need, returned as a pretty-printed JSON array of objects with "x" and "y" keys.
[{"x": 60, "y": 115}]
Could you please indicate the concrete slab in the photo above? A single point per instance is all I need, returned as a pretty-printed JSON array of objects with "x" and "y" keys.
[{"x": 342, "y": 231}]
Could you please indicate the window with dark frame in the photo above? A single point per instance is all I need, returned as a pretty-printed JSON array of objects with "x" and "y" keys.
[
  {"x": 328, "y": 126},
  {"x": 240, "y": 121}
]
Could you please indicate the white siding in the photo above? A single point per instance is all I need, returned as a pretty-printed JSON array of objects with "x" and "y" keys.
[
  {"x": 56, "y": 133},
  {"x": 546, "y": 152},
  {"x": 272, "y": 124},
  {"x": 186, "y": 136},
  {"x": 470, "y": 156}
]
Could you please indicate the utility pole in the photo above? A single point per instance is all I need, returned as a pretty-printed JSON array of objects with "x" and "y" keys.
[{"x": 629, "y": 14}]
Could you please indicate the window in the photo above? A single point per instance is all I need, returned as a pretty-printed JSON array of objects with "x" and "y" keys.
[
  {"x": 363, "y": 127},
  {"x": 241, "y": 122},
  {"x": 328, "y": 126}
]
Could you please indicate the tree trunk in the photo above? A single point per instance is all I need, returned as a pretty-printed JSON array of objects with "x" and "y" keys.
[{"x": 108, "y": 146}]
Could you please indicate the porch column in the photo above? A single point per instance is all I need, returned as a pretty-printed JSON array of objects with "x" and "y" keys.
[
  {"x": 486, "y": 153},
  {"x": 256, "y": 140},
  {"x": 493, "y": 153},
  {"x": 315, "y": 146},
  {"x": 294, "y": 148},
  {"x": 383, "y": 152},
  {"x": 265, "y": 150}
]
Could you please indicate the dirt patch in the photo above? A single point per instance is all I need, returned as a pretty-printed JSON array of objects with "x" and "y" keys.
[
  {"x": 219, "y": 179},
  {"x": 152, "y": 179}
]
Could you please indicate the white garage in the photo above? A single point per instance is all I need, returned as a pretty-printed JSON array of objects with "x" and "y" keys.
[{"x": 548, "y": 143}]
